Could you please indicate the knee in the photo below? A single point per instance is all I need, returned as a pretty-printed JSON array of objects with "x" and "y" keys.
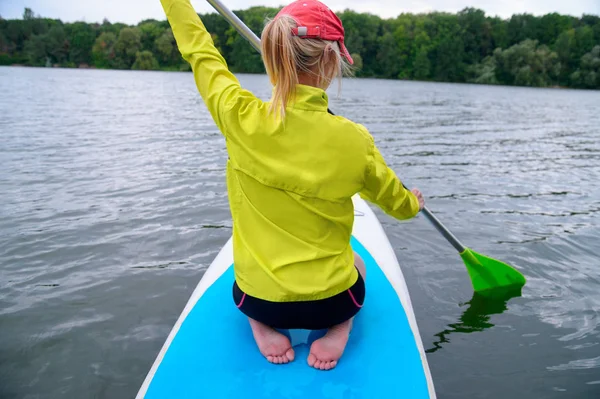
[{"x": 360, "y": 265}]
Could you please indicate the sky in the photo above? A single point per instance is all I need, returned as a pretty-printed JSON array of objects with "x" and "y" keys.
[{"x": 133, "y": 11}]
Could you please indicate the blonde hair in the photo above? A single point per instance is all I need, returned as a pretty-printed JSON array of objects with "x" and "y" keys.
[{"x": 287, "y": 56}]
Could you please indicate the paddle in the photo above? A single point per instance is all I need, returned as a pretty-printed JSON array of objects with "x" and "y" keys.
[{"x": 487, "y": 275}]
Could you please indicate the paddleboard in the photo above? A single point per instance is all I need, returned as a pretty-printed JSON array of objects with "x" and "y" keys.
[{"x": 210, "y": 353}]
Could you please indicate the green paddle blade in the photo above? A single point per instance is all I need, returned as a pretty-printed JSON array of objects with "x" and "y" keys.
[{"x": 489, "y": 274}]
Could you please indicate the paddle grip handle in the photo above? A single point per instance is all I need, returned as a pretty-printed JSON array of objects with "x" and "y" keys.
[
  {"x": 443, "y": 230},
  {"x": 236, "y": 23}
]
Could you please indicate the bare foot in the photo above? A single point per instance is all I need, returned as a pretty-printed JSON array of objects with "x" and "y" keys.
[
  {"x": 273, "y": 345},
  {"x": 325, "y": 352}
]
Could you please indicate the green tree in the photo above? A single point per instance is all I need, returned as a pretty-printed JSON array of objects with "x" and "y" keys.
[
  {"x": 107, "y": 26},
  {"x": 4, "y": 44},
  {"x": 592, "y": 21},
  {"x": 422, "y": 65},
  {"x": 565, "y": 47},
  {"x": 449, "y": 66},
  {"x": 166, "y": 49},
  {"x": 218, "y": 28},
  {"x": 127, "y": 46},
  {"x": 362, "y": 37},
  {"x": 476, "y": 35},
  {"x": 404, "y": 44},
  {"x": 449, "y": 50},
  {"x": 522, "y": 27},
  {"x": 81, "y": 37},
  {"x": 499, "y": 33},
  {"x": 103, "y": 52},
  {"x": 57, "y": 45},
  {"x": 389, "y": 57},
  {"x": 49, "y": 48},
  {"x": 588, "y": 75},
  {"x": 150, "y": 31},
  {"x": 551, "y": 26},
  {"x": 242, "y": 57},
  {"x": 145, "y": 61},
  {"x": 28, "y": 14},
  {"x": 484, "y": 72},
  {"x": 18, "y": 32},
  {"x": 584, "y": 41},
  {"x": 526, "y": 64},
  {"x": 36, "y": 49}
]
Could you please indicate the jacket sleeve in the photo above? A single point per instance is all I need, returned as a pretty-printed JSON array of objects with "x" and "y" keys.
[
  {"x": 383, "y": 188},
  {"x": 219, "y": 88}
]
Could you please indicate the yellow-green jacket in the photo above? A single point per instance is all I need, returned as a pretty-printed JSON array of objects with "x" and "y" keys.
[{"x": 290, "y": 180}]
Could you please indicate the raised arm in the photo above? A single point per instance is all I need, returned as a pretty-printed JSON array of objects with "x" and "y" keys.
[
  {"x": 219, "y": 88},
  {"x": 383, "y": 188}
]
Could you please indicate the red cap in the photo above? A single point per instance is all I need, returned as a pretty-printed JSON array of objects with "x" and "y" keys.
[{"x": 316, "y": 21}]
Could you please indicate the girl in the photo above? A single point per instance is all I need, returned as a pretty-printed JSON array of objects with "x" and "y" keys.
[{"x": 292, "y": 171}]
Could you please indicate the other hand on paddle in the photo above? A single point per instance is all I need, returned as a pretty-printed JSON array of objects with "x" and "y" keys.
[{"x": 419, "y": 196}]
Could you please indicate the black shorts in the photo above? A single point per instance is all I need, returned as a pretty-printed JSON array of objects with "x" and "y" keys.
[{"x": 308, "y": 315}]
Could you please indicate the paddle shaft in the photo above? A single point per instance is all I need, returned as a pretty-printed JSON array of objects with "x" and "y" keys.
[
  {"x": 443, "y": 230},
  {"x": 255, "y": 42}
]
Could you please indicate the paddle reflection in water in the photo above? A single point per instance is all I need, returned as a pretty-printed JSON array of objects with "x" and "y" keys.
[{"x": 476, "y": 317}]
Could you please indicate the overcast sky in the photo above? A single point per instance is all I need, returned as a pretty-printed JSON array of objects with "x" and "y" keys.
[{"x": 133, "y": 11}]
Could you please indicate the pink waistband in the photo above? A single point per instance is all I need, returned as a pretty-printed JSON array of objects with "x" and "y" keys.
[
  {"x": 242, "y": 301},
  {"x": 354, "y": 299}
]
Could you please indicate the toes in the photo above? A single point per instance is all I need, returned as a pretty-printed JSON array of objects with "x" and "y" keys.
[
  {"x": 320, "y": 364},
  {"x": 283, "y": 359},
  {"x": 331, "y": 365},
  {"x": 290, "y": 355},
  {"x": 278, "y": 359}
]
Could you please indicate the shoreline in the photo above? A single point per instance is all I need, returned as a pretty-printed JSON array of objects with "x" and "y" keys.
[{"x": 93, "y": 68}]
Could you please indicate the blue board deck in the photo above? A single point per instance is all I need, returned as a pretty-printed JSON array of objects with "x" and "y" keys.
[{"x": 213, "y": 355}]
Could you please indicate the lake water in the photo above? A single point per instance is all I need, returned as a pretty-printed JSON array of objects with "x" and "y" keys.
[{"x": 113, "y": 204}]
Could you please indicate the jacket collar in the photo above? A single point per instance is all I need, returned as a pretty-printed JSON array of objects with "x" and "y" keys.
[{"x": 310, "y": 98}]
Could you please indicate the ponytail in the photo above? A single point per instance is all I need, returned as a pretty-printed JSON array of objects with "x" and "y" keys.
[{"x": 280, "y": 61}]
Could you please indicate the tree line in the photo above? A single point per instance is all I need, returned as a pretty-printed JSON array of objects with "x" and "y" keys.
[{"x": 525, "y": 50}]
